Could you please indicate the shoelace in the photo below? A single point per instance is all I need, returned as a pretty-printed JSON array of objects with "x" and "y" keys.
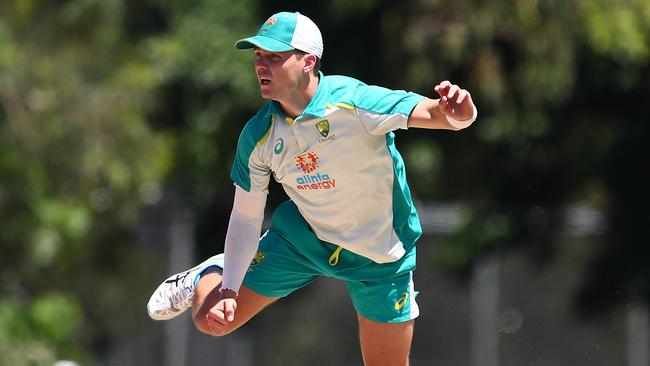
[
  {"x": 180, "y": 299},
  {"x": 177, "y": 296}
]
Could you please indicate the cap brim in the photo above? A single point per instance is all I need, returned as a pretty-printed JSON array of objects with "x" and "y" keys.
[{"x": 265, "y": 43}]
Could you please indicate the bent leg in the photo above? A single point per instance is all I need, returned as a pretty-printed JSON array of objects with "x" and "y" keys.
[
  {"x": 385, "y": 344},
  {"x": 278, "y": 268},
  {"x": 206, "y": 295}
]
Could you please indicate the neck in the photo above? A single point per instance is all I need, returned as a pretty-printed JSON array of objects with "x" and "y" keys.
[{"x": 295, "y": 104}]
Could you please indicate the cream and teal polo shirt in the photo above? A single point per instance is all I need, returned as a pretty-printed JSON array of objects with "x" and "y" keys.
[{"x": 338, "y": 162}]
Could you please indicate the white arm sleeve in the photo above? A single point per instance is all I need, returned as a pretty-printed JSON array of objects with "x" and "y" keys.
[{"x": 242, "y": 238}]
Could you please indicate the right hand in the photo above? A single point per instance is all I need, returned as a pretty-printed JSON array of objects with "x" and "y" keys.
[
  {"x": 223, "y": 312},
  {"x": 454, "y": 102}
]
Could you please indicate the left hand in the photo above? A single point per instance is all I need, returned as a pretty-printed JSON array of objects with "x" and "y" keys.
[{"x": 454, "y": 102}]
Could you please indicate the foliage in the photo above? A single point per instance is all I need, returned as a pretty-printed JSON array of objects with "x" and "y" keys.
[
  {"x": 106, "y": 107},
  {"x": 27, "y": 333},
  {"x": 77, "y": 160},
  {"x": 560, "y": 87}
]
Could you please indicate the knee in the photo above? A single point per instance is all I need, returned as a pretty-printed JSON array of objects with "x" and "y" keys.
[{"x": 201, "y": 323}]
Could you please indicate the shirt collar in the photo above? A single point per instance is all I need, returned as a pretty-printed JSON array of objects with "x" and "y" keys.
[
  {"x": 316, "y": 106},
  {"x": 318, "y": 103}
]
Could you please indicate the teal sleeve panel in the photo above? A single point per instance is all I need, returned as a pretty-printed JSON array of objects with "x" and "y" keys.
[
  {"x": 380, "y": 100},
  {"x": 406, "y": 221},
  {"x": 252, "y": 134}
]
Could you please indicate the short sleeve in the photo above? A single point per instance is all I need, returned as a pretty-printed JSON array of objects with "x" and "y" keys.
[
  {"x": 383, "y": 110},
  {"x": 249, "y": 170}
]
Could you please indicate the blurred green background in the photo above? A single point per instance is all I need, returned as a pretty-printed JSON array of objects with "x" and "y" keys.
[{"x": 118, "y": 124}]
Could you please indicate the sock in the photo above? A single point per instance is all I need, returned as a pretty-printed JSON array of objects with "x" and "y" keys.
[{"x": 198, "y": 275}]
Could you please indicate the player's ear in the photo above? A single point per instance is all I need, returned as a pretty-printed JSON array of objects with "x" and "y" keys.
[{"x": 310, "y": 62}]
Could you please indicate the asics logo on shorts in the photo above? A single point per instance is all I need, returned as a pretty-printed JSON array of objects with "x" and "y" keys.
[{"x": 399, "y": 304}]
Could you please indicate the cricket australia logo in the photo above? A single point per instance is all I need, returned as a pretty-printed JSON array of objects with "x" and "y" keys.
[
  {"x": 323, "y": 127},
  {"x": 308, "y": 162},
  {"x": 259, "y": 258}
]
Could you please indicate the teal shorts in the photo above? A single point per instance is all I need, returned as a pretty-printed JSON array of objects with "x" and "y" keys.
[{"x": 290, "y": 256}]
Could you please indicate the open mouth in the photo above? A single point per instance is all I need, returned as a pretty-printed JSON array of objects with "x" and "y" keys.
[{"x": 265, "y": 81}]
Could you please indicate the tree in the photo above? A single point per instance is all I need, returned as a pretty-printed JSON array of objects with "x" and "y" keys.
[{"x": 77, "y": 160}]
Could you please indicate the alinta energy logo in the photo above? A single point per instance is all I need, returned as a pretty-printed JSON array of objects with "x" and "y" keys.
[{"x": 308, "y": 163}]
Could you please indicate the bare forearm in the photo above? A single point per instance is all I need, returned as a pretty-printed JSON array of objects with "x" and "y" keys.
[
  {"x": 426, "y": 114},
  {"x": 454, "y": 110}
]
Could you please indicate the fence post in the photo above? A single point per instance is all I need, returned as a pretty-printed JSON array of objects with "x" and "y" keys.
[
  {"x": 484, "y": 305},
  {"x": 181, "y": 256},
  {"x": 638, "y": 335}
]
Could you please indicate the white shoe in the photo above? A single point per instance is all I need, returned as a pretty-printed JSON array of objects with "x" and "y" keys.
[{"x": 174, "y": 295}]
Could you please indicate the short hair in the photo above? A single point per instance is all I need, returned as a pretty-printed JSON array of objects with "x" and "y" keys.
[{"x": 317, "y": 66}]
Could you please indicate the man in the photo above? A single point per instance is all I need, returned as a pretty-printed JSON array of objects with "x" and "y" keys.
[{"x": 328, "y": 140}]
